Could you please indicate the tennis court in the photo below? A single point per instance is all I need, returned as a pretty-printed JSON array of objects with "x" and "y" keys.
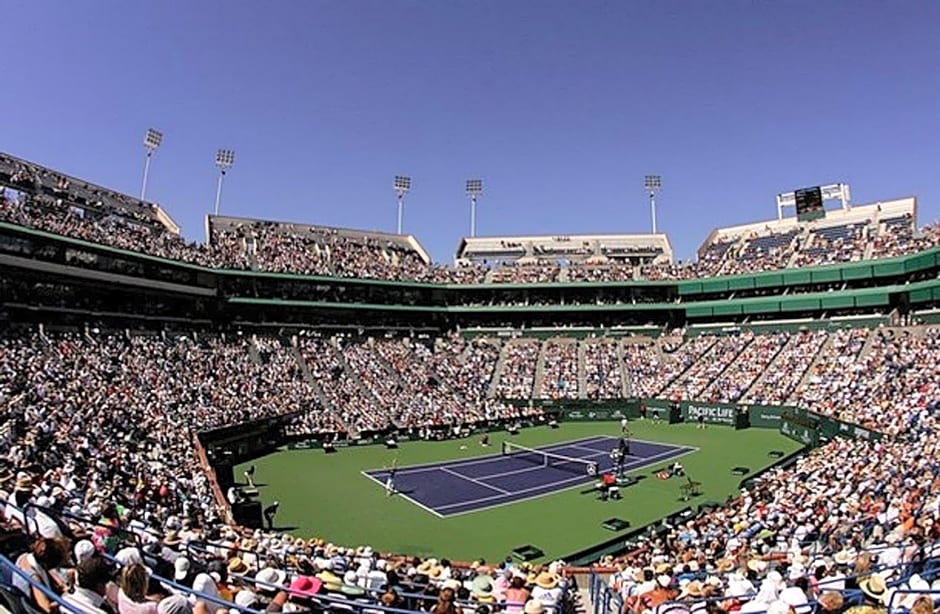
[{"x": 459, "y": 487}]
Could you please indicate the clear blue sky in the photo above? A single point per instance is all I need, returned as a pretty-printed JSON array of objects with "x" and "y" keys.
[{"x": 561, "y": 107}]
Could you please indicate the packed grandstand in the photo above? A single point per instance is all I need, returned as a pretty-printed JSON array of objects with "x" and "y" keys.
[{"x": 100, "y": 409}]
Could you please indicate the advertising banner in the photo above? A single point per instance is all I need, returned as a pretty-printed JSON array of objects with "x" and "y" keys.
[{"x": 765, "y": 416}]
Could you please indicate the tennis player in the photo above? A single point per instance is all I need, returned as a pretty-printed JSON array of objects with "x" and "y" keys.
[{"x": 390, "y": 480}]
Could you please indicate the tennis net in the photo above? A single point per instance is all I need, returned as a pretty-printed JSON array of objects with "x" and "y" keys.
[{"x": 549, "y": 459}]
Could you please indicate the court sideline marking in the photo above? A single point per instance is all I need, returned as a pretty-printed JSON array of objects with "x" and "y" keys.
[
  {"x": 404, "y": 496},
  {"x": 474, "y": 480},
  {"x": 490, "y": 457},
  {"x": 642, "y": 465}
]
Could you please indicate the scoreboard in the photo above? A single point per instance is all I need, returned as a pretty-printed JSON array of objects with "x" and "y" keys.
[{"x": 809, "y": 203}]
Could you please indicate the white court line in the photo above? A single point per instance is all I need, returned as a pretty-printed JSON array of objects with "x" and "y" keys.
[
  {"x": 545, "y": 494},
  {"x": 595, "y": 451},
  {"x": 639, "y": 463},
  {"x": 533, "y": 468},
  {"x": 478, "y": 460},
  {"x": 579, "y": 478},
  {"x": 474, "y": 480},
  {"x": 405, "y": 497}
]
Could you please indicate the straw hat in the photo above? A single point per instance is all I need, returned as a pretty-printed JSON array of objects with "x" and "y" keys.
[
  {"x": 843, "y": 557},
  {"x": 874, "y": 587},
  {"x": 693, "y": 589},
  {"x": 24, "y": 483},
  {"x": 533, "y": 606},
  {"x": 546, "y": 580},
  {"x": 237, "y": 567}
]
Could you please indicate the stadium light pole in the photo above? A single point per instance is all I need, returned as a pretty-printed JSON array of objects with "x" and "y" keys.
[
  {"x": 474, "y": 189},
  {"x": 401, "y": 185},
  {"x": 224, "y": 159},
  {"x": 653, "y": 183},
  {"x": 152, "y": 140}
]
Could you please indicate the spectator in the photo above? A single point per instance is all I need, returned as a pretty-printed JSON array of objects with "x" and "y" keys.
[
  {"x": 133, "y": 597},
  {"x": 45, "y": 556},
  {"x": 89, "y": 594}
]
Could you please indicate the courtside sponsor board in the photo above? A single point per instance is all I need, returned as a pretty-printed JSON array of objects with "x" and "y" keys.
[{"x": 713, "y": 414}]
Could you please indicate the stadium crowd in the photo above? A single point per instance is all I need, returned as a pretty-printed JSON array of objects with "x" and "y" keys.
[
  {"x": 603, "y": 369},
  {"x": 790, "y": 366},
  {"x": 116, "y": 414},
  {"x": 737, "y": 378},
  {"x": 518, "y": 374},
  {"x": 100, "y": 427},
  {"x": 560, "y": 370},
  {"x": 275, "y": 247},
  {"x": 651, "y": 367},
  {"x": 722, "y": 352},
  {"x": 833, "y": 530},
  {"x": 99, "y": 459}
]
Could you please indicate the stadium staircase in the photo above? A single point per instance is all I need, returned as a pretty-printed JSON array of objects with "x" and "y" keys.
[
  {"x": 254, "y": 353},
  {"x": 869, "y": 248},
  {"x": 430, "y": 368},
  {"x": 657, "y": 346},
  {"x": 540, "y": 367},
  {"x": 390, "y": 370},
  {"x": 756, "y": 360},
  {"x": 47, "y": 346},
  {"x": 498, "y": 370},
  {"x": 626, "y": 379},
  {"x": 701, "y": 365},
  {"x": 352, "y": 374},
  {"x": 772, "y": 365},
  {"x": 582, "y": 377},
  {"x": 824, "y": 351},
  {"x": 531, "y": 390},
  {"x": 866, "y": 348},
  {"x": 318, "y": 390},
  {"x": 681, "y": 375}
]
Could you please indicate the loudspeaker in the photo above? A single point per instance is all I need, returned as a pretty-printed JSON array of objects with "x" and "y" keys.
[{"x": 248, "y": 514}]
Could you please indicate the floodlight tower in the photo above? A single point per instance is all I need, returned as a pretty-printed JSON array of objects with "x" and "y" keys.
[
  {"x": 401, "y": 185},
  {"x": 653, "y": 183},
  {"x": 224, "y": 159},
  {"x": 152, "y": 140},
  {"x": 474, "y": 189}
]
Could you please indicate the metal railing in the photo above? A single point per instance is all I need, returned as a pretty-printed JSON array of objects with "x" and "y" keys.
[{"x": 9, "y": 569}]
